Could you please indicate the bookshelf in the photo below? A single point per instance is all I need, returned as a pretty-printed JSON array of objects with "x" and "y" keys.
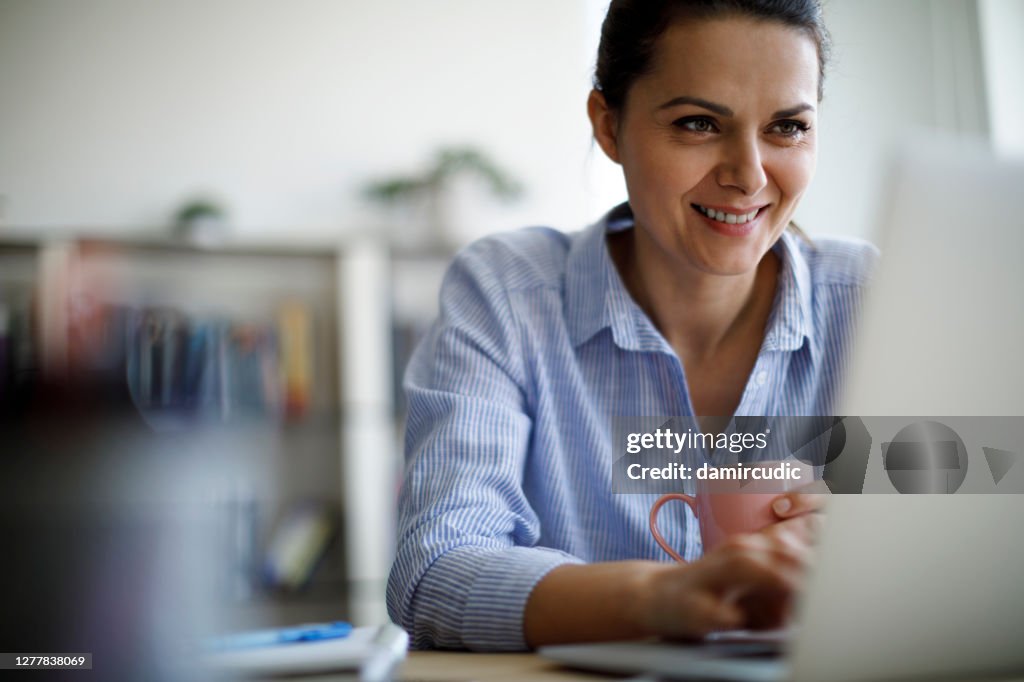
[{"x": 282, "y": 354}]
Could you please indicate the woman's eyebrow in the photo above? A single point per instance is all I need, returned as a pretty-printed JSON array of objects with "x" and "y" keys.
[
  {"x": 719, "y": 109},
  {"x": 793, "y": 111},
  {"x": 723, "y": 110}
]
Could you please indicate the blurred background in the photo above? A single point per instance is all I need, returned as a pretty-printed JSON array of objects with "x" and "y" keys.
[{"x": 233, "y": 215}]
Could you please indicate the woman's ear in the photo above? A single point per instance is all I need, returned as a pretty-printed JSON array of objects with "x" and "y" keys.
[{"x": 604, "y": 123}]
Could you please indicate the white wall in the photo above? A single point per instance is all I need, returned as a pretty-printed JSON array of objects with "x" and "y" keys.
[
  {"x": 1002, "y": 26},
  {"x": 114, "y": 111},
  {"x": 897, "y": 67}
]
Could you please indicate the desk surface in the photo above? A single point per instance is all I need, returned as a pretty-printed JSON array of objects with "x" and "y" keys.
[
  {"x": 448, "y": 666},
  {"x": 456, "y": 666}
]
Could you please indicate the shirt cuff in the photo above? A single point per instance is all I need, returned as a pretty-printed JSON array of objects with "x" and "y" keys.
[
  {"x": 497, "y": 599},
  {"x": 474, "y": 597}
]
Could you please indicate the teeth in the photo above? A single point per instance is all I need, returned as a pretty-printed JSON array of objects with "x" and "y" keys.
[{"x": 728, "y": 218}]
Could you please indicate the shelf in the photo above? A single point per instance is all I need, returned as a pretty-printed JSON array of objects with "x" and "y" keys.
[
  {"x": 12, "y": 238},
  {"x": 321, "y": 455}
]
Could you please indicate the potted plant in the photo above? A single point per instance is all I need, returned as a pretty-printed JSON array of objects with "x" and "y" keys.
[
  {"x": 200, "y": 221},
  {"x": 429, "y": 193}
]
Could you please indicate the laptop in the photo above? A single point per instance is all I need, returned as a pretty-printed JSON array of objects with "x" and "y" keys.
[{"x": 906, "y": 586}]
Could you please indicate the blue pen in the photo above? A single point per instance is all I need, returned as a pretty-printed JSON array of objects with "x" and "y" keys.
[{"x": 310, "y": 632}]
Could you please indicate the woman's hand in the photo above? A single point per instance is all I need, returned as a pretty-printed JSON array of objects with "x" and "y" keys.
[
  {"x": 800, "y": 511},
  {"x": 748, "y": 581}
]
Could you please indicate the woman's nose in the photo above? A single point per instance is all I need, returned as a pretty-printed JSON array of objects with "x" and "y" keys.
[{"x": 742, "y": 167}]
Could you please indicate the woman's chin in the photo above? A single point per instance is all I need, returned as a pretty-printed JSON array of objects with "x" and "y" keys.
[{"x": 738, "y": 261}]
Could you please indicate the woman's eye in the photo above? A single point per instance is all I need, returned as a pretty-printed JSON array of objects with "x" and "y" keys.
[
  {"x": 790, "y": 128},
  {"x": 695, "y": 125}
]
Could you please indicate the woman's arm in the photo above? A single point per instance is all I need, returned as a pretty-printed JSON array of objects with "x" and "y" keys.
[
  {"x": 749, "y": 581},
  {"x": 608, "y": 601},
  {"x": 468, "y": 553}
]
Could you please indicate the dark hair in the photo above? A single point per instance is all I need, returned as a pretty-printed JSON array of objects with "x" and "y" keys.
[{"x": 631, "y": 30}]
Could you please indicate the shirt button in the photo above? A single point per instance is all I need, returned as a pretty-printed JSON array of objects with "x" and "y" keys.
[{"x": 761, "y": 378}]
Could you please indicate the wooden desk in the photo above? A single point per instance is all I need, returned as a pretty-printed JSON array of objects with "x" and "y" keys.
[
  {"x": 457, "y": 666},
  {"x": 449, "y": 666}
]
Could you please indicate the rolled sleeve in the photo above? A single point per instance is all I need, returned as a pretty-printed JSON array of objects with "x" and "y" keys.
[
  {"x": 468, "y": 555},
  {"x": 474, "y": 598}
]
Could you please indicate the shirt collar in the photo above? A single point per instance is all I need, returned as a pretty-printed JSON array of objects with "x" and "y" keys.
[
  {"x": 792, "y": 320},
  {"x": 596, "y": 297}
]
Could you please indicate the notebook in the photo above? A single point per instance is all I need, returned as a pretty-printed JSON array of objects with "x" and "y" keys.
[{"x": 372, "y": 653}]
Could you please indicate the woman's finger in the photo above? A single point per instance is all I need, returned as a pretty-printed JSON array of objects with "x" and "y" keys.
[
  {"x": 754, "y": 562},
  {"x": 798, "y": 503},
  {"x": 793, "y": 539}
]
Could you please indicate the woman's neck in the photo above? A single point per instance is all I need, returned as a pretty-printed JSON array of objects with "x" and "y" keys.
[{"x": 699, "y": 313}]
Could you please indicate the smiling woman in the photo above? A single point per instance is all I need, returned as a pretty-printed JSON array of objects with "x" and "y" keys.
[
  {"x": 691, "y": 299},
  {"x": 699, "y": 151}
]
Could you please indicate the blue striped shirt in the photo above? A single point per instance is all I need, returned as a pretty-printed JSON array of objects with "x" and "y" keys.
[{"x": 511, "y": 396}]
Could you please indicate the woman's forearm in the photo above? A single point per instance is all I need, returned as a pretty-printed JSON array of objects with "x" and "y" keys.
[
  {"x": 590, "y": 602},
  {"x": 747, "y": 581}
]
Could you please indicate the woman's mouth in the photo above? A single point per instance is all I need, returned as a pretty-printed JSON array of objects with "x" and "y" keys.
[{"x": 733, "y": 217}]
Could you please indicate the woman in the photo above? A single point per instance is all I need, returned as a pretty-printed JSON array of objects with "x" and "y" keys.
[{"x": 692, "y": 299}]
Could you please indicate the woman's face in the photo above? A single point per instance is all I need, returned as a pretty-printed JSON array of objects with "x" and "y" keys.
[{"x": 718, "y": 141}]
